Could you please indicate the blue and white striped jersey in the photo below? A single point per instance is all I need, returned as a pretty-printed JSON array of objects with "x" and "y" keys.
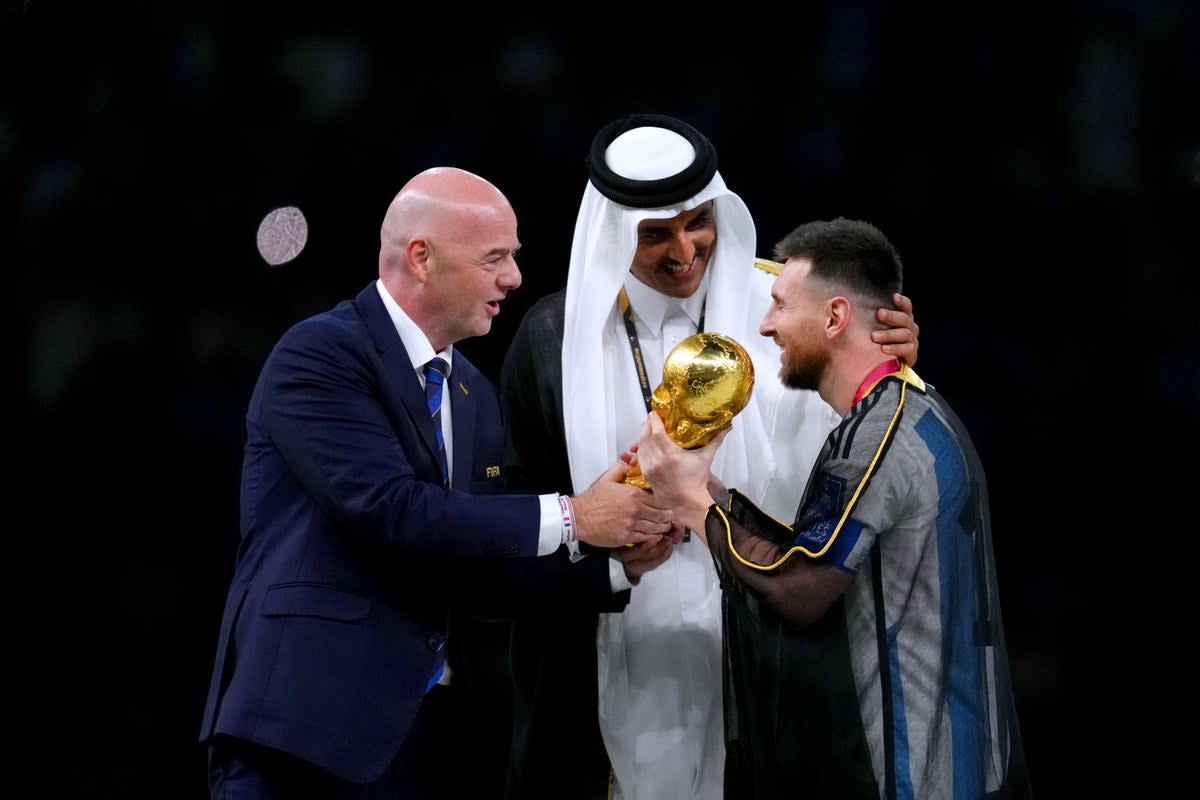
[{"x": 901, "y": 689}]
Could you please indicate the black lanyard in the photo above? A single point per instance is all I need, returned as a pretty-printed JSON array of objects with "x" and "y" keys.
[{"x": 635, "y": 346}]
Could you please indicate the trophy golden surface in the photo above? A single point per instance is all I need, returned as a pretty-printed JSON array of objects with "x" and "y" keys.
[{"x": 707, "y": 379}]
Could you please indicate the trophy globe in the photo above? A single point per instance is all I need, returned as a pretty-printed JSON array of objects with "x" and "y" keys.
[{"x": 707, "y": 379}]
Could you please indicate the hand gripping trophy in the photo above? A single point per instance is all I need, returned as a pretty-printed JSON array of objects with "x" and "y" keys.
[{"x": 707, "y": 380}]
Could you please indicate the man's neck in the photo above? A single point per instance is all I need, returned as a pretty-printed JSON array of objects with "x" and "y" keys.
[{"x": 873, "y": 376}]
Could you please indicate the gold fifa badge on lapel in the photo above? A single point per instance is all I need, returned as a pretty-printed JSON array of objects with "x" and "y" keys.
[
  {"x": 492, "y": 472},
  {"x": 463, "y": 387}
]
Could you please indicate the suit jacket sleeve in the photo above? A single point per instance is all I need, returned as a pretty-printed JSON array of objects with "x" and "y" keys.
[{"x": 327, "y": 400}]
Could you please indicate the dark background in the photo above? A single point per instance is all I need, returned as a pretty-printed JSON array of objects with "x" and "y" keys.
[{"x": 1037, "y": 166}]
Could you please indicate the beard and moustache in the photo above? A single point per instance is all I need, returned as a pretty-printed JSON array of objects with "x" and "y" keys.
[{"x": 802, "y": 367}]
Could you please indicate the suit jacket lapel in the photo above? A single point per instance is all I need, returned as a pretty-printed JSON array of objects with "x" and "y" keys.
[
  {"x": 397, "y": 362},
  {"x": 463, "y": 409},
  {"x": 398, "y": 366}
]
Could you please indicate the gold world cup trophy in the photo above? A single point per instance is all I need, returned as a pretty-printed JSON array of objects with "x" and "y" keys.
[{"x": 707, "y": 379}]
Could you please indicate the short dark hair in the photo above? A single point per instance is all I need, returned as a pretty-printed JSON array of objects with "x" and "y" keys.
[{"x": 850, "y": 252}]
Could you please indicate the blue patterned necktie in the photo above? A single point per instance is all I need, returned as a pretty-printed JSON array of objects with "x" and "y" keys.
[{"x": 435, "y": 377}]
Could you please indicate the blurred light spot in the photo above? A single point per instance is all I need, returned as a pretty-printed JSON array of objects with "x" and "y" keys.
[{"x": 282, "y": 235}]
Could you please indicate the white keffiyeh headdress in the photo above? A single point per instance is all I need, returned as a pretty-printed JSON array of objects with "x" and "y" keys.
[{"x": 644, "y": 167}]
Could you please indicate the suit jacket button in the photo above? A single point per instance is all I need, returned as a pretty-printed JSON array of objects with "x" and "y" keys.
[{"x": 514, "y": 549}]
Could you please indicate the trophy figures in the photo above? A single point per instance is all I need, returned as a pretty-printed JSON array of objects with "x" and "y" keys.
[{"x": 707, "y": 379}]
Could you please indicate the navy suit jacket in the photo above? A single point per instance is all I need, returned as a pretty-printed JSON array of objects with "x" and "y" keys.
[{"x": 353, "y": 557}]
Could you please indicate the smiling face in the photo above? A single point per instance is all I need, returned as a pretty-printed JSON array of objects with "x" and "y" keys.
[
  {"x": 471, "y": 268},
  {"x": 672, "y": 254},
  {"x": 796, "y": 321},
  {"x": 447, "y": 253}
]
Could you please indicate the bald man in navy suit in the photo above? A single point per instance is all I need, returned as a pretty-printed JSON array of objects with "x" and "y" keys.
[{"x": 365, "y": 534}]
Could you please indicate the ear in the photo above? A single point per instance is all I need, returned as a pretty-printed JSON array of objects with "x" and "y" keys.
[
  {"x": 837, "y": 316},
  {"x": 417, "y": 259}
]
